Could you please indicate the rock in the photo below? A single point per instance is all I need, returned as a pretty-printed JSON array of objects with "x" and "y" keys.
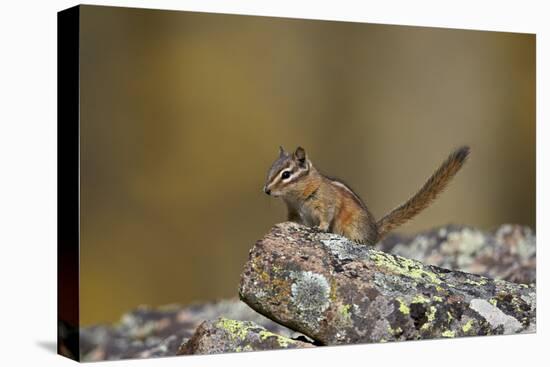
[
  {"x": 227, "y": 336},
  {"x": 155, "y": 332},
  {"x": 339, "y": 292},
  {"x": 508, "y": 253}
]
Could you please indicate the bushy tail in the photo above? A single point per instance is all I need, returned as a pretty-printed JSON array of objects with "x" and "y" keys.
[{"x": 424, "y": 197}]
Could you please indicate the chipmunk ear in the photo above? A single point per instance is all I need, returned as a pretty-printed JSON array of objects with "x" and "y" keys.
[
  {"x": 282, "y": 152},
  {"x": 300, "y": 156}
]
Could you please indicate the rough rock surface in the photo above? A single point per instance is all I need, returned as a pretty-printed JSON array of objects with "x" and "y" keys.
[
  {"x": 226, "y": 336},
  {"x": 507, "y": 253},
  {"x": 338, "y": 292},
  {"x": 156, "y": 332}
]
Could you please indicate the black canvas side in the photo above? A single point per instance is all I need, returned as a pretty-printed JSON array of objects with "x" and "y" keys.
[{"x": 68, "y": 168}]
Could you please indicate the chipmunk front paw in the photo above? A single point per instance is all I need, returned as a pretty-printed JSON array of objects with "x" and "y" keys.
[{"x": 322, "y": 227}]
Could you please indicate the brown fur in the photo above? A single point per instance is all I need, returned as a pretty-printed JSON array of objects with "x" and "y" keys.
[
  {"x": 328, "y": 204},
  {"x": 427, "y": 193}
]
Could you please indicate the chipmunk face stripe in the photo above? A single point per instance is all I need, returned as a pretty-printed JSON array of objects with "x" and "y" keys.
[
  {"x": 288, "y": 173},
  {"x": 286, "y": 169},
  {"x": 275, "y": 173}
]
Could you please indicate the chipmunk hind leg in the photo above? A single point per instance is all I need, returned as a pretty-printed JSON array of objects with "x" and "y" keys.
[{"x": 356, "y": 226}]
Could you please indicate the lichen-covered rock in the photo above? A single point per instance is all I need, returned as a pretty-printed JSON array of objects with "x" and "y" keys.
[
  {"x": 155, "y": 332},
  {"x": 337, "y": 292},
  {"x": 507, "y": 253},
  {"x": 227, "y": 336}
]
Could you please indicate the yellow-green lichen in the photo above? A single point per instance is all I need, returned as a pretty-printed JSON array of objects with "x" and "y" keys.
[
  {"x": 419, "y": 299},
  {"x": 246, "y": 348},
  {"x": 281, "y": 340},
  {"x": 437, "y": 298},
  {"x": 493, "y": 301},
  {"x": 449, "y": 316},
  {"x": 405, "y": 310},
  {"x": 467, "y": 326},
  {"x": 448, "y": 334},
  {"x": 395, "y": 331},
  {"x": 345, "y": 312},
  {"x": 480, "y": 282},
  {"x": 237, "y": 329},
  {"x": 404, "y": 266},
  {"x": 430, "y": 315}
]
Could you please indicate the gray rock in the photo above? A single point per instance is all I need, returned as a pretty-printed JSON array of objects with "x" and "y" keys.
[
  {"x": 339, "y": 292},
  {"x": 507, "y": 253},
  {"x": 155, "y": 332},
  {"x": 227, "y": 336}
]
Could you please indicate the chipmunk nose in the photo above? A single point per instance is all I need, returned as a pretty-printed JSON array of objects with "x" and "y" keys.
[{"x": 267, "y": 191}]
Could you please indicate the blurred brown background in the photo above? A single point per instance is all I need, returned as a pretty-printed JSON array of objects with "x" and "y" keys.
[{"x": 182, "y": 115}]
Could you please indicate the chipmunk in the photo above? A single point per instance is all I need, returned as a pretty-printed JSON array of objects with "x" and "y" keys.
[{"x": 329, "y": 205}]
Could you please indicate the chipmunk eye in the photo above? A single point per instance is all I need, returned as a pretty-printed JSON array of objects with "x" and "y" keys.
[{"x": 285, "y": 175}]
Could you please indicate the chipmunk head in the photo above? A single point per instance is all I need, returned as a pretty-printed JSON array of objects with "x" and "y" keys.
[{"x": 286, "y": 171}]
